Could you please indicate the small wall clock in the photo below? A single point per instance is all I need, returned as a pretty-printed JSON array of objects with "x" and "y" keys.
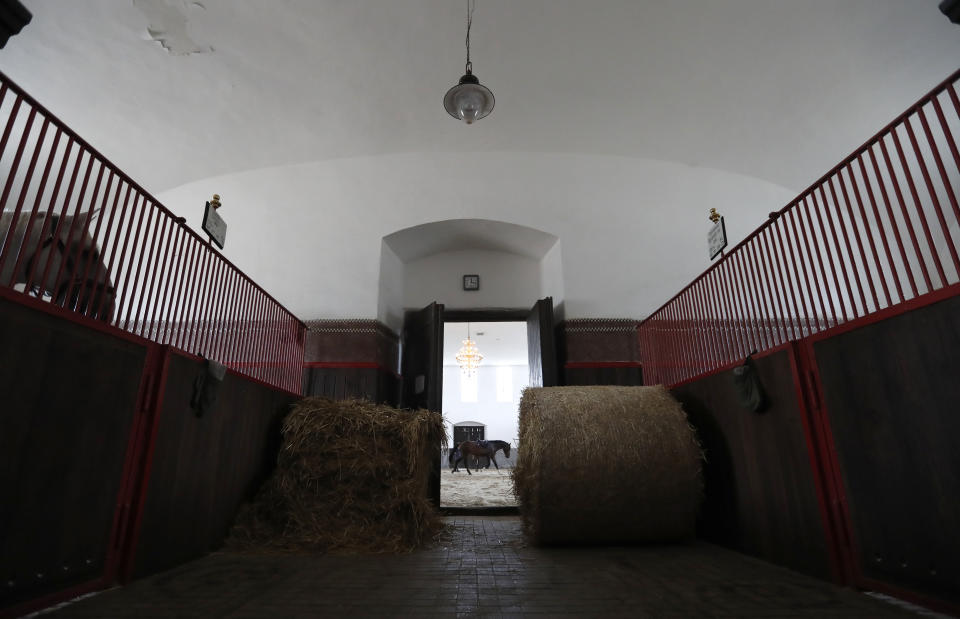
[{"x": 471, "y": 282}]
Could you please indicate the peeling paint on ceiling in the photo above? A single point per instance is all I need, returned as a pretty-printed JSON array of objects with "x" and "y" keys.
[{"x": 167, "y": 22}]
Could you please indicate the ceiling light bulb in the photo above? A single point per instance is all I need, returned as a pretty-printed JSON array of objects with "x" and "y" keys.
[{"x": 469, "y": 100}]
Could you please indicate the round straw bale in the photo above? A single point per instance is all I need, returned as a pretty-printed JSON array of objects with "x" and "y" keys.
[{"x": 606, "y": 464}]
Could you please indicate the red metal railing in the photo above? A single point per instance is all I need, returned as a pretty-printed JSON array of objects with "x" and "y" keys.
[
  {"x": 879, "y": 229},
  {"x": 79, "y": 233}
]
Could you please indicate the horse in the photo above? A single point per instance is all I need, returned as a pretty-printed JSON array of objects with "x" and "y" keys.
[
  {"x": 57, "y": 262},
  {"x": 477, "y": 448}
]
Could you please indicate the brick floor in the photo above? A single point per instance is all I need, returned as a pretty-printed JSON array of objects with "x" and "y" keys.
[{"x": 484, "y": 568}]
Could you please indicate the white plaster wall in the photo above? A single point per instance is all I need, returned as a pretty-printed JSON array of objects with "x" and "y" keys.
[
  {"x": 632, "y": 230},
  {"x": 500, "y": 418},
  {"x": 390, "y": 300},
  {"x": 506, "y": 280},
  {"x": 551, "y": 276}
]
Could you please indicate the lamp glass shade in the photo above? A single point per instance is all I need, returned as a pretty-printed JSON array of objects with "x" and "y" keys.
[{"x": 468, "y": 101}]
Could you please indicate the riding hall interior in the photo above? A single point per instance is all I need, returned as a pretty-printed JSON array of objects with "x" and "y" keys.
[{"x": 148, "y": 363}]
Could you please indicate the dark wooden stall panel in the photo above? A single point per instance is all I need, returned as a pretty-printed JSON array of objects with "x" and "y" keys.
[
  {"x": 68, "y": 400},
  {"x": 599, "y": 374},
  {"x": 761, "y": 497},
  {"x": 339, "y": 383},
  {"x": 204, "y": 467},
  {"x": 892, "y": 394}
]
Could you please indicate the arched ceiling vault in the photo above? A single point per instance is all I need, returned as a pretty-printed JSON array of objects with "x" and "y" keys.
[
  {"x": 618, "y": 123},
  {"x": 176, "y": 91}
]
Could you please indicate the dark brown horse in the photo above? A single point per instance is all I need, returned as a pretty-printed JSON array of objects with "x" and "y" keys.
[
  {"x": 52, "y": 260},
  {"x": 477, "y": 448}
]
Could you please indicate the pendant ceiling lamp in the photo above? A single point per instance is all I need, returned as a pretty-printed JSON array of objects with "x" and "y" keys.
[
  {"x": 469, "y": 357},
  {"x": 469, "y": 100}
]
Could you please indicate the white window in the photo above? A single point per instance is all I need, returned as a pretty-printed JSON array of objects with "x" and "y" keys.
[
  {"x": 469, "y": 387},
  {"x": 504, "y": 383}
]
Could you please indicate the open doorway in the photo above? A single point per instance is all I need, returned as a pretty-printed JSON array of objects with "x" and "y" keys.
[{"x": 481, "y": 405}]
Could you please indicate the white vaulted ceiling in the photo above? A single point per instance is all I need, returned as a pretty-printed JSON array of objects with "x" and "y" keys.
[{"x": 618, "y": 123}]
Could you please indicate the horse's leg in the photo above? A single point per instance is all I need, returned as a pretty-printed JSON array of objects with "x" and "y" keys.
[
  {"x": 466, "y": 463},
  {"x": 493, "y": 458}
]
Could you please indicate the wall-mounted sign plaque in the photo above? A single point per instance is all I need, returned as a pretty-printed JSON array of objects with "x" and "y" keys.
[
  {"x": 214, "y": 225},
  {"x": 717, "y": 238}
]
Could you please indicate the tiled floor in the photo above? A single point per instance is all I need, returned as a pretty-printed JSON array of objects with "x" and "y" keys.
[{"x": 484, "y": 568}]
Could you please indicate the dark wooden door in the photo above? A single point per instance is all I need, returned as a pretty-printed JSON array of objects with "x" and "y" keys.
[
  {"x": 422, "y": 367},
  {"x": 422, "y": 361},
  {"x": 541, "y": 346}
]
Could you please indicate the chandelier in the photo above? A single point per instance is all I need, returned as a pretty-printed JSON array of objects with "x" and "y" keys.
[
  {"x": 469, "y": 100},
  {"x": 469, "y": 357}
]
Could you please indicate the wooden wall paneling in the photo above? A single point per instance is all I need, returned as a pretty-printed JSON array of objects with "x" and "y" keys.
[
  {"x": 891, "y": 393},
  {"x": 203, "y": 468},
  {"x": 69, "y": 397},
  {"x": 603, "y": 375},
  {"x": 761, "y": 496}
]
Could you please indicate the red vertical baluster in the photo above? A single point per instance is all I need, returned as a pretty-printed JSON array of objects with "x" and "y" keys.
[
  {"x": 882, "y": 231},
  {"x": 91, "y": 307},
  {"x": 154, "y": 227},
  {"x": 710, "y": 311},
  {"x": 906, "y": 216},
  {"x": 683, "y": 340},
  {"x": 164, "y": 325},
  {"x": 791, "y": 230},
  {"x": 703, "y": 327},
  {"x": 139, "y": 253},
  {"x": 777, "y": 287},
  {"x": 697, "y": 329},
  {"x": 14, "y": 166},
  {"x": 164, "y": 243},
  {"x": 829, "y": 262},
  {"x": 125, "y": 295},
  {"x": 857, "y": 236},
  {"x": 668, "y": 341},
  {"x": 270, "y": 360},
  {"x": 48, "y": 216},
  {"x": 59, "y": 285},
  {"x": 250, "y": 339},
  {"x": 763, "y": 308},
  {"x": 673, "y": 346},
  {"x": 297, "y": 385},
  {"x": 234, "y": 332},
  {"x": 256, "y": 332},
  {"x": 197, "y": 308},
  {"x": 951, "y": 143},
  {"x": 792, "y": 312},
  {"x": 226, "y": 314},
  {"x": 869, "y": 232},
  {"x": 933, "y": 192},
  {"x": 836, "y": 213},
  {"x": 82, "y": 268},
  {"x": 738, "y": 315},
  {"x": 32, "y": 217},
  {"x": 186, "y": 289},
  {"x": 815, "y": 252},
  {"x": 223, "y": 306},
  {"x": 211, "y": 297},
  {"x": 729, "y": 322},
  {"x": 26, "y": 183},
  {"x": 835, "y": 265},
  {"x": 266, "y": 348},
  {"x": 11, "y": 120},
  {"x": 721, "y": 317},
  {"x": 741, "y": 287},
  {"x": 79, "y": 245}
]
